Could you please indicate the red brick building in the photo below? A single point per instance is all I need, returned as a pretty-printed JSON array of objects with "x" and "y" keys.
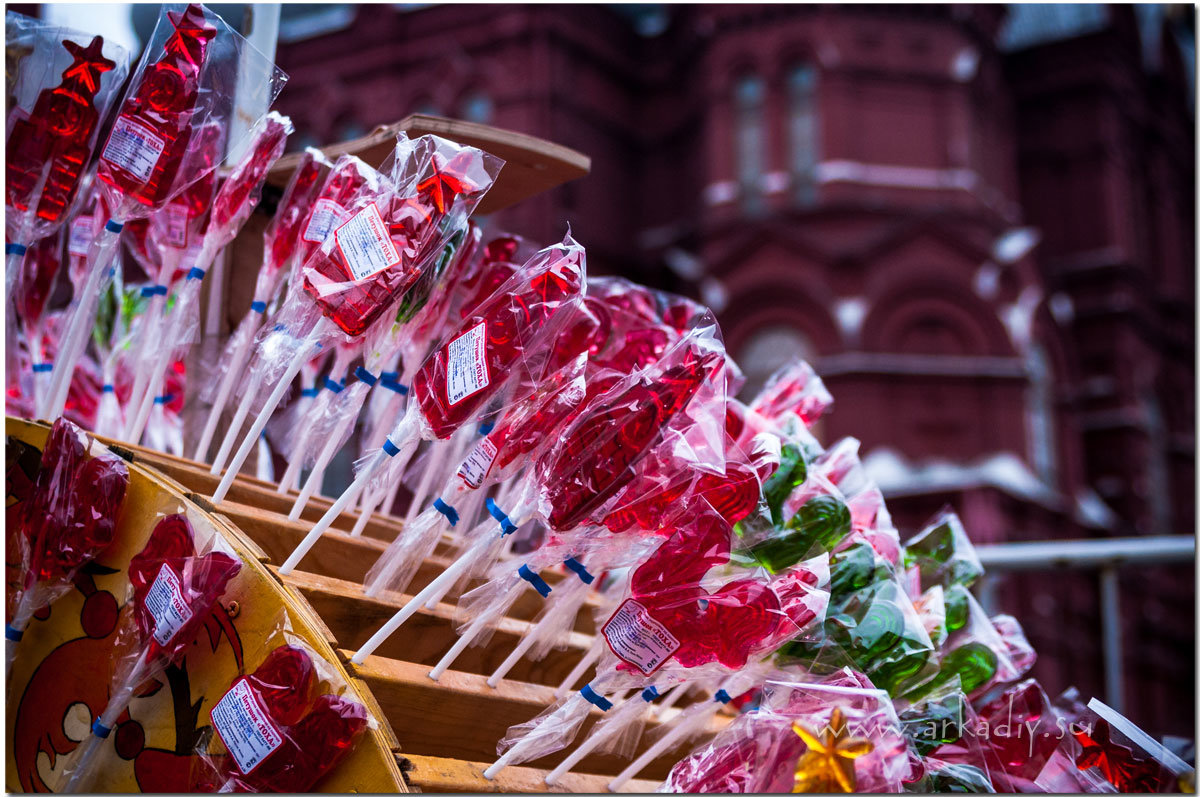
[{"x": 976, "y": 222}]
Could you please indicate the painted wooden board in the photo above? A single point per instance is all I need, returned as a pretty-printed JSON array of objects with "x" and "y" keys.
[
  {"x": 61, "y": 675},
  {"x": 442, "y": 775}
]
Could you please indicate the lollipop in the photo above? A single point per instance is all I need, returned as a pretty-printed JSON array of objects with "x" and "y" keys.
[
  {"x": 367, "y": 265},
  {"x": 280, "y": 736},
  {"x": 506, "y": 341},
  {"x": 281, "y": 242},
  {"x": 177, "y": 92},
  {"x": 235, "y": 200},
  {"x": 68, "y": 521},
  {"x": 174, "y": 590},
  {"x": 50, "y": 145}
]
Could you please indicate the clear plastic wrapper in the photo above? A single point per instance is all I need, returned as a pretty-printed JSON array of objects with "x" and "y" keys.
[
  {"x": 941, "y": 553},
  {"x": 794, "y": 388},
  {"x": 68, "y": 521},
  {"x": 805, "y": 737},
  {"x": 1103, "y": 751},
  {"x": 282, "y": 726},
  {"x": 945, "y": 755},
  {"x": 180, "y": 90},
  {"x": 237, "y": 197},
  {"x": 1019, "y": 729},
  {"x": 482, "y": 366},
  {"x": 177, "y": 580},
  {"x": 878, "y": 628},
  {"x": 61, "y": 90}
]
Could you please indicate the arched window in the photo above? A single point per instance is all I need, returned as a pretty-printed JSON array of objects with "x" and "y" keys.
[
  {"x": 766, "y": 350},
  {"x": 802, "y": 131},
  {"x": 476, "y": 106},
  {"x": 749, "y": 99},
  {"x": 1043, "y": 451}
]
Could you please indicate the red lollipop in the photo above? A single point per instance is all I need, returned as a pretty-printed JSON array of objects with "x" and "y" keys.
[
  {"x": 153, "y": 128},
  {"x": 58, "y": 133},
  {"x": 174, "y": 589},
  {"x": 280, "y": 738}
]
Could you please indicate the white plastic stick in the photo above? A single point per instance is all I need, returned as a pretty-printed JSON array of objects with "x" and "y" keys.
[
  {"x": 589, "y": 658},
  {"x": 306, "y": 350},
  {"x": 74, "y": 339},
  {"x": 365, "y": 513},
  {"x": 518, "y": 749},
  {"x": 239, "y": 418},
  {"x": 317, "y": 476},
  {"x": 673, "y": 698},
  {"x": 564, "y": 600},
  {"x": 478, "y": 626},
  {"x": 446, "y": 580},
  {"x": 152, "y": 338},
  {"x": 233, "y": 371},
  {"x": 436, "y": 457},
  {"x": 682, "y": 729},
  {"x": 291, "y": 476},
  {"x": 615, "y": 721}
]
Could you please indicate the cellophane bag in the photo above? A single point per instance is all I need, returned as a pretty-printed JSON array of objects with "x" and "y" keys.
[
  {"x": 768, "y": 750},
  {"x": 1102, "y": 751},
  {"x": 68, "y": 520},
  {"x": 61, "y": 85},
  {"x": 283, "y": 725},
  {"x": 177, "y": 579}
]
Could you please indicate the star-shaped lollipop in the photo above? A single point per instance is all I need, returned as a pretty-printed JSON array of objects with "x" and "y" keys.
[
  {"x": 828, "y": 764},
  {"x": 89, "y": 64},
  {"x": 192, "y": 32}
]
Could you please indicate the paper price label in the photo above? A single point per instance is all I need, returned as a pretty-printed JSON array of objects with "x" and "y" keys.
[
  {"x": 475, "y": 467},
  {"x": 80, "y": 238},
  {"x": 133, "y": 147},
  {"x": 326, "y": 217},
  {"x": 166, "y": 605},
  {"x": 637, "y": 638},
  {"x": 365, "y": 244},
  {"x": 245, "y": 727},
  {"x": 466, "y": 364}
]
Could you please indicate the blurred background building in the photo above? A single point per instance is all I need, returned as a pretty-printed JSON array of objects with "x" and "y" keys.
[{"x": 977, "y": 222}]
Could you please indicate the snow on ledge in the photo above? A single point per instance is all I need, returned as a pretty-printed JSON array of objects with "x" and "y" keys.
[{"x": 1003, "y": 470}]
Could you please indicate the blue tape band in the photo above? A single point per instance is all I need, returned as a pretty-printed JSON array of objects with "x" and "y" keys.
[
  {"x": 596, "y": 700},
  {"x": 153, "y": 290},
  {"x": 108, "y": 389},
  {"x": 165, "y": 398},
  {"x": 649, "y": 694},
  {"x": 114, "y": 226},
  {"x": 536, "y": 581},
  {"x": 393, "y": 385},
  {"x": 575, "y": 565},
  {"x": 389, "y": 447},
  {"x": 446, "y": 510},
  {"x": 100, "y": 729},
  {"x": 335, "y": 386},
  {"x": 506, "y": 525},
  {"x": 12, "y": 633},
  {"x": 279, "y": 328},
  {"x": 393, "y": 375},
  {"x": 365, "y": 376},
  {"x": 15, "y": 249},
  {"x": 485, "y": 429},
  {"x": 43, "y": 368},
  {"x": 258, "y": 307},
  {"x": 196, "y": 274},
  {"x": 722, "y": 696},
  {"x": 310, "y": 392}
]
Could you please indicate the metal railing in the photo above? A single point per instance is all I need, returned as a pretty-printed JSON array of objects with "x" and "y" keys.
[{"x": 1106, "y": 556}]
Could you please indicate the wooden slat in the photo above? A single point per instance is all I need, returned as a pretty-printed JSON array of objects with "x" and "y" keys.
[
  {"x": 460, "y": 716},
  {"x": 353, "y": 618},
  {"x": 449, "y": 775}
]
